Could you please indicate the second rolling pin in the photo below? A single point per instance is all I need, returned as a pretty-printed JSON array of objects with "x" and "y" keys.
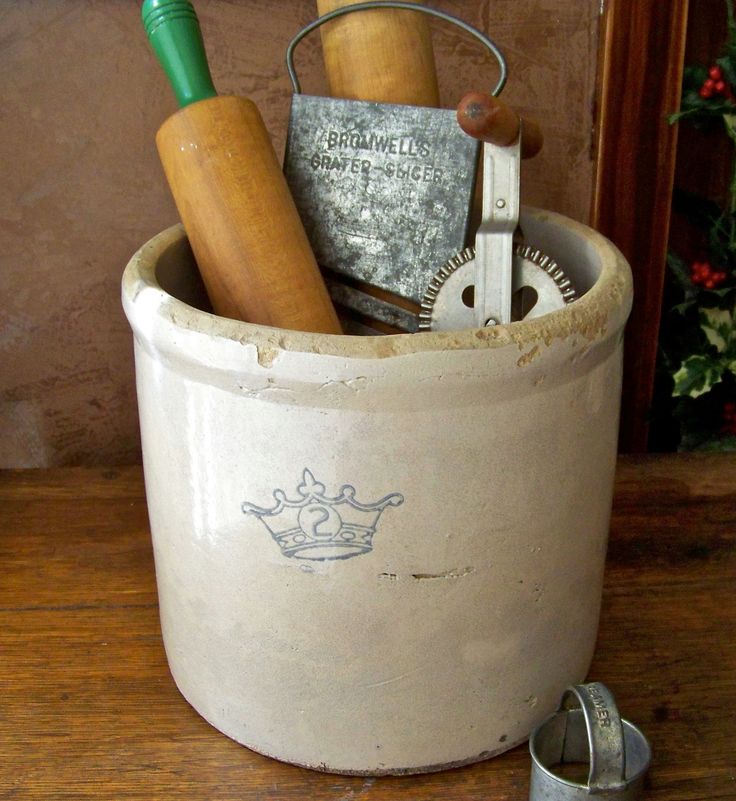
[{"x": 384, "y": 55}]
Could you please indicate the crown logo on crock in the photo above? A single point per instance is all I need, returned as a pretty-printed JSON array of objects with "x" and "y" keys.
[{"x": 318, "y": 527}]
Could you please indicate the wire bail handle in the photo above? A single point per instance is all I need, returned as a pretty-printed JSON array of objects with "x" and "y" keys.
[{"x": 339, "y": 12}]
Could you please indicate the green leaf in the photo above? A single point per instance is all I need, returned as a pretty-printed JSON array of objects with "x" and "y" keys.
[
  {"x": 701, "y": 110},
  {"x": 699, "y": 210},
  {"x": 721, "y": 444},
  {"x": 694, "y": 440},
  {"x": 718, "y": 327},
  {"x": 726, "y": 63},
  {"x": 694, "y": 75},
  {"x": 681, "y": 271},
  {"x": 684, "y": 307},
  {"x": 729, "y": 120},
  {"x": 696, "y": 376},
  {"x": 731, "y": 28},
  {"x": 719, "y": 294}
]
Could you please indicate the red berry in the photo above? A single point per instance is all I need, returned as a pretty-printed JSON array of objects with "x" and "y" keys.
[
  {"x": 699, "y": 271},
  {"x": 706, "y": 93},
  {"x": 715, "y": 72},
  {"x": 720, "y": 87},
  {"x": 709, "y": 84},
  {"x": 719, "y": 277},
  {"x": 729, "y": 418}
]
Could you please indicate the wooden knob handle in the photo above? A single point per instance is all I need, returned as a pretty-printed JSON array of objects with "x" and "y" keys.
[
  {"x": 240, "y": 218},
  {"x": 384, "y": 55},
  {"x": 486, "y": 118}
]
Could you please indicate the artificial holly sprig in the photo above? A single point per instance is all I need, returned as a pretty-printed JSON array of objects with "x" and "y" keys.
[
  {"x": 708, "y": 92},
  {"x": 698, "y": 349}
]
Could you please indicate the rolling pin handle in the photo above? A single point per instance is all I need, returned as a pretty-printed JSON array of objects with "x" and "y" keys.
[{"x": 173, "y": 29}]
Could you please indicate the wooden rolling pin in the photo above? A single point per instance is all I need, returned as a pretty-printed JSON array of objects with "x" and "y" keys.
[
  {"x": 243, "y": 226},
  {"x": 489, "y": 119},
  {"x": 384, "y": 55}
]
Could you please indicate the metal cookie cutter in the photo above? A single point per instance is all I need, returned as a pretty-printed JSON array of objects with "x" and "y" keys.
[
  {"x": 384, "y": 190},
  {"x": 587, "y": 728}
]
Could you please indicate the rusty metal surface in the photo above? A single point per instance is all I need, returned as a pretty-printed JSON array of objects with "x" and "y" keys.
[{"x": 384, "y": 190}]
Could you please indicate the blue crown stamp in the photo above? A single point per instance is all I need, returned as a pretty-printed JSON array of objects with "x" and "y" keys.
[{"x": 319, "y": 527}]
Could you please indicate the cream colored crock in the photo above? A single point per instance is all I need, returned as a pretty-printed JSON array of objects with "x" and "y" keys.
[{"x": 379, "y": 554}]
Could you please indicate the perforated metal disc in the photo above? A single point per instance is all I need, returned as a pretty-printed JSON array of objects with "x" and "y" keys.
[{"x": 540, "y": 286}]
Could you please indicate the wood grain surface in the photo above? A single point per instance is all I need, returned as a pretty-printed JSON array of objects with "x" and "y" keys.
[
  {"x": 640, "y": 68},
  {"x": 241, "y": 221},
  {"x": 384, "y": 55},
  {"x": 491, "y": 120},
  {"x": 88, "y": 708}
]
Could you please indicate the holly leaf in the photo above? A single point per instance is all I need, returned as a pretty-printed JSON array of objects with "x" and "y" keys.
[
  {"x": 681, "y": 272},
  {"x": 727, "y": 64},
  {"x": 701, "y": 111},
  {"x": 696, "y": 376},
  {"x": 706, "y": 440},
  {"x": 721, "y": 444},
  {"x": 684, "y": 307},
  {"x": 720, "y": 248},
  {"x": 699, "y": 210},
  {"x": 718, "y": 327},
  {"x": 718, "y": 293},
  {"x": 729, "y": 120},
  {"x": 694, "y": 75}
]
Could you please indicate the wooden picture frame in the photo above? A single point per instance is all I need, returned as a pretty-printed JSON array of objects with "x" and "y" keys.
[{"x": 641, "y": 57}]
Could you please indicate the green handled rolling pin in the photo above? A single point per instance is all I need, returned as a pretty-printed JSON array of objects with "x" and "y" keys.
[{"x": 242, "y": 224}]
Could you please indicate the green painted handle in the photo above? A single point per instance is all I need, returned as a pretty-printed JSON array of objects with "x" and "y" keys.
[{"x": 173, "y": 29}]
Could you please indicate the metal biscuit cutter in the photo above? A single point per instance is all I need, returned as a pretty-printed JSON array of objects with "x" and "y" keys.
[
  {"x": 499, "y": 281},
  {"x": 587, "y": 728},
  {"x": 384, "y": 190}
]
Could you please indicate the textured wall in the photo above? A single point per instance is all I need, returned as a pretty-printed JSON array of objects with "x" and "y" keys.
[{"x": 80, "y": 102}]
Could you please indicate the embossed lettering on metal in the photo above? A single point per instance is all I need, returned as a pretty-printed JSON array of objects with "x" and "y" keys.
[
  {"x": 588, "y": 729},
  {"x": 384, "y": 191}
]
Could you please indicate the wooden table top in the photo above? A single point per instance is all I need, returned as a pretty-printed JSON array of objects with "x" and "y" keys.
[{"x": 88, "y": 708}]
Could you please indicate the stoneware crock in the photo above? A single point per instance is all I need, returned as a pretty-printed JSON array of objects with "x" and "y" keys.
[{"x": 379, "y": 554}]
